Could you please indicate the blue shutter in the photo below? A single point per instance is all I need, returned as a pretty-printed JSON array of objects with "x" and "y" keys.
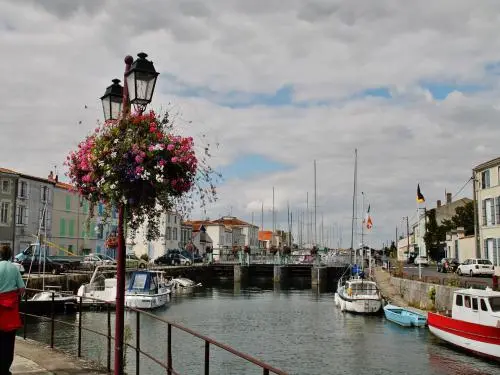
[
  {"x": 485, "y": 249},
  {"x": 484, "y": 213},
  {"x": 495, "y": 251},
  {"x": 492, "y": 211},
  {"x": 100, "y": 209}
]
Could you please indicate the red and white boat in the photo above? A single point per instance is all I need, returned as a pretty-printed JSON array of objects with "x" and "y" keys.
[{"x": 474, "y": 323}]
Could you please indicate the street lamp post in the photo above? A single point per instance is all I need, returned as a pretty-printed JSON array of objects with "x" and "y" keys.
[{"x": 141, "y": 76}]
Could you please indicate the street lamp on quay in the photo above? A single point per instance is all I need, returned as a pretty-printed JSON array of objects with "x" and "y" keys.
[{"x": 141, "y": 76}]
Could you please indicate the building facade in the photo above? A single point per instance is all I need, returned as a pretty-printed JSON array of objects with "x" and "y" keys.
[
  {"x": 486, "y": 178},
  {"x": 460, "y": 246},
  {"x": 33, "y": 213},
  {"x": 170, "y": 237},
  {"x": 443, "y": 212},
  {"x": 8, "y": 185}
]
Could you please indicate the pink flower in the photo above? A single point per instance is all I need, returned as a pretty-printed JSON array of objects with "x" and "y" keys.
[
  {"x": 175, "y": 159},
  {"x": 139, "y": 159},
  {"x": 139, "y": 170},
  {"x": 170, "y": 147}
]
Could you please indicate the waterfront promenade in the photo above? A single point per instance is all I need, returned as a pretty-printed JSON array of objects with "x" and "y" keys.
[{"x": 36, "y": 359}]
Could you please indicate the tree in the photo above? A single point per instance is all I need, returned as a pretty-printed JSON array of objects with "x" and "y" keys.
[
  {"x": 434, "y": 235},
  {"x": 464, "y": 217},
  {"x": 393, "y": 250}
]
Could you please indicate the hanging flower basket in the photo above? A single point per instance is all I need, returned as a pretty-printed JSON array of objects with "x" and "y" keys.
[
  {"x": 112, "y": 242},
  {"x": 137, "y": 161},
  {"x": 235, "y": 249},
  {"x": 273, "y": 250},
  {"x": 247, "y": 249}
]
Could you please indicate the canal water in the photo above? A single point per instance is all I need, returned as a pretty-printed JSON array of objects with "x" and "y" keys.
[{"x": 298, "y": 330}]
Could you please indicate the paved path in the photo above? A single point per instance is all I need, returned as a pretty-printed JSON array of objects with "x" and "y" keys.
[{"x": 33, "y": 358}]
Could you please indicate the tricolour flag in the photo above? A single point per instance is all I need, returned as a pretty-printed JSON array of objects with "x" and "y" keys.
[
  {"x": 420, "y": 196},
  {"x": 368, "y": 219}
]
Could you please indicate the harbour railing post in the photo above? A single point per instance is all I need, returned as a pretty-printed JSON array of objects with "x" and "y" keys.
[
  {"x": 25, "y": 328},
  {"x": 80, "y": 327},
  {"x": 169, "y": 349},
  {"x": 52, "y": 322},
  {"x": 207, "y": 357},
  {"x": 137, "y": 342},
  {"x": 109, "y": 338}
]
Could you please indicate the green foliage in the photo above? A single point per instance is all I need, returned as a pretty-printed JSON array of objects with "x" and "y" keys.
[
  {"x": 393, "y": 250},
  {"x": 464, "y": 217}
]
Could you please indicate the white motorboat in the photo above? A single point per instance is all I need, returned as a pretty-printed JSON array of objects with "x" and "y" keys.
[
  {"x": 357, "y": 295},
  {"x": 147, "y": 290},
  {"x": 180, "y": 285},
  {"x": 100, "y": 289},
  {"x": 48, "y": 300}
]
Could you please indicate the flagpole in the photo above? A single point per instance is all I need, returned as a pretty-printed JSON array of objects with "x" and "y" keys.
[
  {"x": 415, "y": 234},
  {"x": 363, "y": 232}
]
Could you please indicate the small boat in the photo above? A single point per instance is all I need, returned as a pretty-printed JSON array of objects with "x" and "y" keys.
[
  {"x": 474, "y": 322},
  {"x": 357, "y": 295},
  {"x": 404, "y": 317},
  {"x": 46, "y": 301},
  {"x": 180, "y": 285},
  {"x": 147, "y": 290},
  {"x": 100, "y": 289}
]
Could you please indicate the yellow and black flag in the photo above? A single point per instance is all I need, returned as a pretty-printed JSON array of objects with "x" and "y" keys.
[{"x": 420, "y": 196}]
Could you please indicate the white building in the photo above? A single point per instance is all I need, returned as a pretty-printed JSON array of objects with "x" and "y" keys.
[
  {"x": 487, "y": 193},
  {"x": 460, "y": 246},
  {"x": 170, "y": 237}
]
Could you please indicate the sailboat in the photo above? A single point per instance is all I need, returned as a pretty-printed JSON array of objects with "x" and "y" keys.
[
  {"x": 354, "y": 293},
  {"x": 50, "y": 298}
]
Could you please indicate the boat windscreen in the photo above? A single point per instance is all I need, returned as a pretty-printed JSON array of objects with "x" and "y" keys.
[{"x": 494, "y": 304}]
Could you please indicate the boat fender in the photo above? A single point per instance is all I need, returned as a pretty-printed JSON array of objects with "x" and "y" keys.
[{"x": 349, "y": 292}]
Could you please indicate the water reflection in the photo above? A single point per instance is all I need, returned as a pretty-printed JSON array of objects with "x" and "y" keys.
[{"x": 298, "y": 330}]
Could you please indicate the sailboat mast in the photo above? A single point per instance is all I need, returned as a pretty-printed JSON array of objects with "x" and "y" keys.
[
  {"x": 363, "y": 231},
  {"x": 315, "y": 207},
  {"x": 354, "y": 204}
]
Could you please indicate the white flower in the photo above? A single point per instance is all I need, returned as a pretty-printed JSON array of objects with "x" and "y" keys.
[{"x": 113, "y": 154}]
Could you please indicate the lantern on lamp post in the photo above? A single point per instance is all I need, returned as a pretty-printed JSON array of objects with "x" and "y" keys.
[
  {"x": 141, "y": 81},
  {"x": 112, "y": 100}
]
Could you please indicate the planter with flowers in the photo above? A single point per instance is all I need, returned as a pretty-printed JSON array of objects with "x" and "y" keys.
[
  {"x": 138, "y": 163},
  {"x": 112, "y": 241}
]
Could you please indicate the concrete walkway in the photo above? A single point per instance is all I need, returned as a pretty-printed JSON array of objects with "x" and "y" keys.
[{"x": 36, "y": 359}]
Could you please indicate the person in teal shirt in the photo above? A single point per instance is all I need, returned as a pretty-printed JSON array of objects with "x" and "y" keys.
[{"x": 11, "y": 286}]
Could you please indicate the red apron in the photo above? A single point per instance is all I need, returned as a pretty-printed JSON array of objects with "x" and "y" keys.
[{"x": 9, "y": 311}]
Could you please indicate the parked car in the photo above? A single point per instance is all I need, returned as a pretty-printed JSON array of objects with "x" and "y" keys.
[
  {"x": 195, "y": 258},
  {"x": 132, "y": 261},
  {"x": 93, "y": 260},
  {"x": 476, "y": 267},
  {"x": 447, "y": 265},
  {"x": 47, "y": 264},
  {"x": 177, "y": 257},
  {"x": 424, "y": 261}
]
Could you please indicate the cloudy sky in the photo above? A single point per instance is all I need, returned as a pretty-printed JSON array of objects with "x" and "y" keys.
[{"x": 271, "y": 85}]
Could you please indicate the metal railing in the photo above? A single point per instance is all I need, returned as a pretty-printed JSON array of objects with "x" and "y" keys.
[
  {"x": 139, "y": 352},
  {"x": 281, "y": 259}
]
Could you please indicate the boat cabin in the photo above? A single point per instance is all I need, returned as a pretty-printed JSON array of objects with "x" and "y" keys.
[
  {"x": 145, "y": 282},
  {"x": 362, "y": 287},
  {"x": 477, "y": 306}
]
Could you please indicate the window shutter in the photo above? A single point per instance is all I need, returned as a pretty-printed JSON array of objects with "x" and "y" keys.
[
  {"x": 48, "y": 219},
  {"x": 492, "y": 211},
  {"x": 495, "y": 251},
  {"x": 41, "y": 193},
  {"x": 26, "y": 215},
  {"x": 485, "y": 249},
  {"x": 484, "y": 212},
  {"x": 497, "y": 209}
]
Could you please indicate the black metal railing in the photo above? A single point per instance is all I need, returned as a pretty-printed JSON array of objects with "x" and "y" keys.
[{"x": 139, "y": 352}]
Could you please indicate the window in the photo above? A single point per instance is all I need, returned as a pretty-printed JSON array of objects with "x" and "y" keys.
[
  {"x": 71, "y": 227},
  {"x": 168, "y": 218},
  {"x": 174, "y": 233},
  {"x": 23, "y": 189},
  {"x": 175, "y": 219},
  {"x": 100, "y": 231},
  {"x": 467, "y": 301},
  {"x": 44, "y": 194},
  {"x": 21, "y": 215},
  {"x": 474, "y": 304},
  {"x": 485, "y": 179},
  {"x": 68, "y": 202},
  {"x": 6, "y": 186},
  {"x": 483, "y": 305},
  {"x": 169, "y": 233},
  {"x": 62, "y": 227},
  {"x": 42, "y": 217},
  {"x": 5, "y": 213},
  {"x": 495, "y": 304},
  {"x": 488, "y": 212}
]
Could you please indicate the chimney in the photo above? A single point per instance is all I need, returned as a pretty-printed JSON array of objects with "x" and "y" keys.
[
  {"x": 439, "y": 203},
  {"x": 448, "y": 198}
]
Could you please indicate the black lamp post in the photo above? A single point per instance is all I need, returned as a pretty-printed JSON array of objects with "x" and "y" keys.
[
  {"x": 112, "y": 100},
  {"x": 140, "y": 76}
]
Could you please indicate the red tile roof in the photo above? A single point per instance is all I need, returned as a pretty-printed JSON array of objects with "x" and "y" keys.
[
  {"x": 231, "y": 221},
  {"x": 265, "y": 235}
]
